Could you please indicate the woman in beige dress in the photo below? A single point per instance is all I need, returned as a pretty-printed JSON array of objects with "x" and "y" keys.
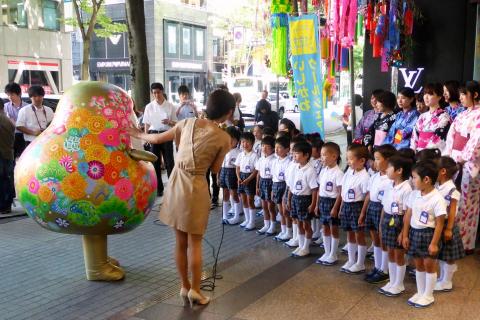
[{"x": 186, "y": 204}]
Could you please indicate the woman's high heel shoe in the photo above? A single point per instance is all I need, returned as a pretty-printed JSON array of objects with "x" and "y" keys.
[
  {"x": 195, "y": 297},
  {"x": 184, "y": 296}
]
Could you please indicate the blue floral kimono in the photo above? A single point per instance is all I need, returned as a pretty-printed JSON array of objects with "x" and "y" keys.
[{"x": 400, "y": 132}]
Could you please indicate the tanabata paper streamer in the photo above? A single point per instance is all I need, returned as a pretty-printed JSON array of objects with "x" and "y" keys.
[{"x": 279, "y": 25}]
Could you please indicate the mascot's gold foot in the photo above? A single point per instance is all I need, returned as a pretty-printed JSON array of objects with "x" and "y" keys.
[
  {"x": 113, "y": 261},
  {"x": 98, "y": 266}
]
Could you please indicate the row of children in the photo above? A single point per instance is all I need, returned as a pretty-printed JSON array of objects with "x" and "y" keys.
[{"x": 303, "y": 181}]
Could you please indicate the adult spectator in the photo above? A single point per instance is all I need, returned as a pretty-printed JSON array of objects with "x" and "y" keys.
[
  {"x": 261, "y": 102},
  {"x": 267, "y": 116},
  {"x": 14, "y": 93},
  {"x": 368, "y": 117},
  {"x": 160, "y": 116},
  {"x": 237, "y": 116},
  {"x": 186, "y": 108},
  {"x": 34, "y": 118},
  {"x": 7, "y": 190}
]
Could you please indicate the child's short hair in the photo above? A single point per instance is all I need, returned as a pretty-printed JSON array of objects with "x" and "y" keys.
[
  {"x": 156, "y": 85},
  {"x": 317, "y": 143},
  {"x": 36, "y": 91},
  {"x": 248, "y": 136},
  {"x": 234, "y": 133},
  {"x": 426, "y": 168},
  {"x": 386, "y": 150},
  {"x": 267, "y": 131},
  {"x": 303, "y": 147},
  {"x": 283, "y": 141},
  {"x": 312, "y": 136},
  {"x": 388, "y": 100},
  {"x": 297, "y": 139},
  {"x": 407, "y": 153},
  {"x": 359, "y": 151},
  {"x": 428, "y": 154},
  {"x": 269, "y": 141},
  {"x": 401, "y": 162},
  {"x": 183, "y": 89},
  {"x": 259, "y": 126},
  {"x": 449, "y": 165},
  {"x": 283, "y": 134},
  {"x": 334, "y": 148}
]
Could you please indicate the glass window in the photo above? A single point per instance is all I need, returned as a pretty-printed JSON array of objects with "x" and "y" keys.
[
  {"x": 116, "y": 46},
  {"x": 186, "y": 41},
  {"x": 51, "y": 14},
  {"x": 98, "y": 49},
  {"x": 199, "y": 43},
  {"x": 172, "y": 39},
  {"x": 13, "y": 12}
]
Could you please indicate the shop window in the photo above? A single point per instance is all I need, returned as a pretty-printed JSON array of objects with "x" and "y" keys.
[
  {"x": 199, "y": 43},
  {"x": 116, "y": 46},
  {"x": 186, "y": 41},
  {"x": 172, "y": 39},
  {"x": 98, "y": 49},
  {"x": 13, "y": 13},
  {"x": 51, "y": 14}
]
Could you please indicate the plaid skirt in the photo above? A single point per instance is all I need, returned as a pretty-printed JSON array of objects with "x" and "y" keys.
[
  {"x": 249, "y": 189},
  {"x": 325, "y": 206},
  {"x": 374, "y": 212},
  {"x": 391, "y": 232},
  {"x": 265, "y": 186},
  {"x": 453, "y": 249},
  {"x": 278, "y": 190},
  {"x": 300, "y": 206},
  {"x": 420, "y": 241},
  {"x": 349, "y": 215},
  {"x": 228, "y": 179}
]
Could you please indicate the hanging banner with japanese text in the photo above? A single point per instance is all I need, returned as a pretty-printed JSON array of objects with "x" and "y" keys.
[{"x": 307, "y": 75}]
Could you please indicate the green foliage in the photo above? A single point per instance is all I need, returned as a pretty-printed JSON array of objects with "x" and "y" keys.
[
  {"x": 358, "y": 58},
  {"x": 51, "y": 170}
]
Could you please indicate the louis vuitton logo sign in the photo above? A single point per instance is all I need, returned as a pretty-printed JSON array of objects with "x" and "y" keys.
[{"x": 410, "y": 77}]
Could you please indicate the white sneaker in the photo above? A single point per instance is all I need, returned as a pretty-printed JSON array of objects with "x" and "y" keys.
[
  {"x": 356, "y": 269},
  {"x": 319, "y": 241},
  {"x": 292, "y": 243},
  {"x": 316, "y": 234},
  {"x": 294, "y": 253},
  {"x": 243, "y": 224},
  {"x": 302, "y": 253},
  {"x": 394, "y": 291},
  {"x": 424, "y": 301},
  {"x": 285, "y": 237},
  {"x": 263, "y": 230},
  {"x": 445, "y": 286},
  {"x": 271, "y": 230},
  {"x": 233, "y": 221},
  {"x": 250, "y": 226},
  {"x": 346, "y": 266},
  {"x": 279, "y": 235},
  {"x": 385, "y": 288},
  {"x": 330, "y": 260},
  {"x": 413, "y": 299}
]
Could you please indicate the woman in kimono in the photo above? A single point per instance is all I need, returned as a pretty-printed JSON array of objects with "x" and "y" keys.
[
  {"x": 432, "y": 126},
  {"x": 463, "y": 145},
  {"x": 450, "y": 93},
  {"x": 401, "y": 131},
  {"x": 369, "y": 116}
]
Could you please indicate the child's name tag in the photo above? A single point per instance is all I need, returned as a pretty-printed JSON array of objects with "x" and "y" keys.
[
  {"x": 380, "y": 195},
  {"x": 281, "y": 175},
  {"x": 423, "y": 217},
  {"x": 267, "y": 171},
  {"x": 351, "y": 194},
  {"x": 298, "y": 186},
  {"x": 448, "y": 198},
  {"x": 232, "y": 161},
  {"x": 329, "y": 186},
  {"x": 248, "y": 167},
  {"x": 394, "y": 208}
]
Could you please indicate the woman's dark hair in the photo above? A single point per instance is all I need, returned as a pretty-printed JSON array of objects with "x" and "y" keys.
[
  {"x": 426, "y": 168},
  {"x": 419, "y": 97},
  {"x": 13, "y": 88},
  {"x": 234, "y": 133},
  {"x": 387, "y": 150},
  {"x": 283, "y": 141},
  {"x": 472, "y": 87},
  {"x": 156, "y": 85},
  {"x": 303, "y": 147},
  {"x": 437, "y": 89},
  {"x": 333, "y": 147},
  {"x": 259, "y": 126},
  {"x": 388, "y": 100},
  {"x": 452, "y": 87},
  {"x": 409, "y": 93},
  {"x": 359, "y": 151},
  {"x": 289, "y": 124},
  {"x": 449, "y": 165},
  {"x": 247, "y": 136},
  {"x": 219, "y": 104},
  {"x": 36, "y": 91},
  {"x": 376, "y": 93},
  {"x": 400, "y": 162},
  {"x": 269, "y": 141},
  {"x": 296, "y": 132},
  {"x": 183, "y": 89},
  {"x": 267, "y": 131},
  {"x": 428, "y": 154}
]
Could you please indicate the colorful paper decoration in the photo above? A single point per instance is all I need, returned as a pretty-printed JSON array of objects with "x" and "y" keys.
[{"x": 279, "y": 23}]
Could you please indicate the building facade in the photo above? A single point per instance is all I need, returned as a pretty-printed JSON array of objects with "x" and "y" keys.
[{"x": 34, "y": 47}]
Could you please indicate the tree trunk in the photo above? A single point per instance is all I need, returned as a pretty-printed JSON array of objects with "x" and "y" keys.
[
  {"x": 137, "y": 45},
  {"x": 85, "y": 72}
]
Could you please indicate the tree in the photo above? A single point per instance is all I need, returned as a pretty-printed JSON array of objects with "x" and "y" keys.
[
  {"x": 137, "y": 46},
  {"x": 90, "y": 18}
]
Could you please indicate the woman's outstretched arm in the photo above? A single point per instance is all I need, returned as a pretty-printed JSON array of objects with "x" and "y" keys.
[{"x": 155, "y": 138}]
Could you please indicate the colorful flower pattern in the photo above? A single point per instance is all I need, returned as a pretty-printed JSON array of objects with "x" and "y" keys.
[{"x": 80, "y": 174}]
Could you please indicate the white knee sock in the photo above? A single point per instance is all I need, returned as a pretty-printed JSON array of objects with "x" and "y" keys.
[
  {"x": 392, "y": 274},
  {"x": 420, "y": 278},
  {"x": 384, "y": 261},
  {"x": 225, "y": 210},
  {"x": 334, "y": 248},
  {"x": 232, "y": 203},
  {"x": 377, "y": 257},
  {"x": 400, "y": 275},
  {"x": 449, "y": 270},
  {"x": 289, "y": 232},
  {"x": 352, "y": 249},
  {"x": 327, "y": 244},
  {"x": 306, "y": 244},
  {"x": 430, "y": 281},
  {"x": 237, "y": 208},
  {"x": 295, "y": 231},
  {"x": 252, "y": 217},
  {"x": 441, "y": 267},
  {"x": 266, "y": 223},
  {"x": 246, "y": 214},
  {"x": 301, "y": 240},
  {"x": 283, "y": 227},
  {"x": 362, "y": 252}
]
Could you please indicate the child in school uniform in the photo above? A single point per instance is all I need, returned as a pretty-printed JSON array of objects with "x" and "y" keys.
[
  {"x": 264, "y": 185},
  {"x": 228, "y": 179},
  {"x": 372, "y": 210},
  {"x": 452, "y": 245},
  {"x": 246, "y": 175},
  {"x": 257, "y": 145},
  {"x": 394, "y": 206},
  {"x": 330, "y": 189},
  {"x": 354, "y": 190},
  {"x": 279, "y": 166},
  {"x": 316, "y": 162},
  {"x": 302, "y": 198},
  {"x": 422, "y": 230}
]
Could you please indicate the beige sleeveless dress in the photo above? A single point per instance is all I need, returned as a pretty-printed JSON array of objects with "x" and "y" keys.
[{"x": 186, "y": 202}]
